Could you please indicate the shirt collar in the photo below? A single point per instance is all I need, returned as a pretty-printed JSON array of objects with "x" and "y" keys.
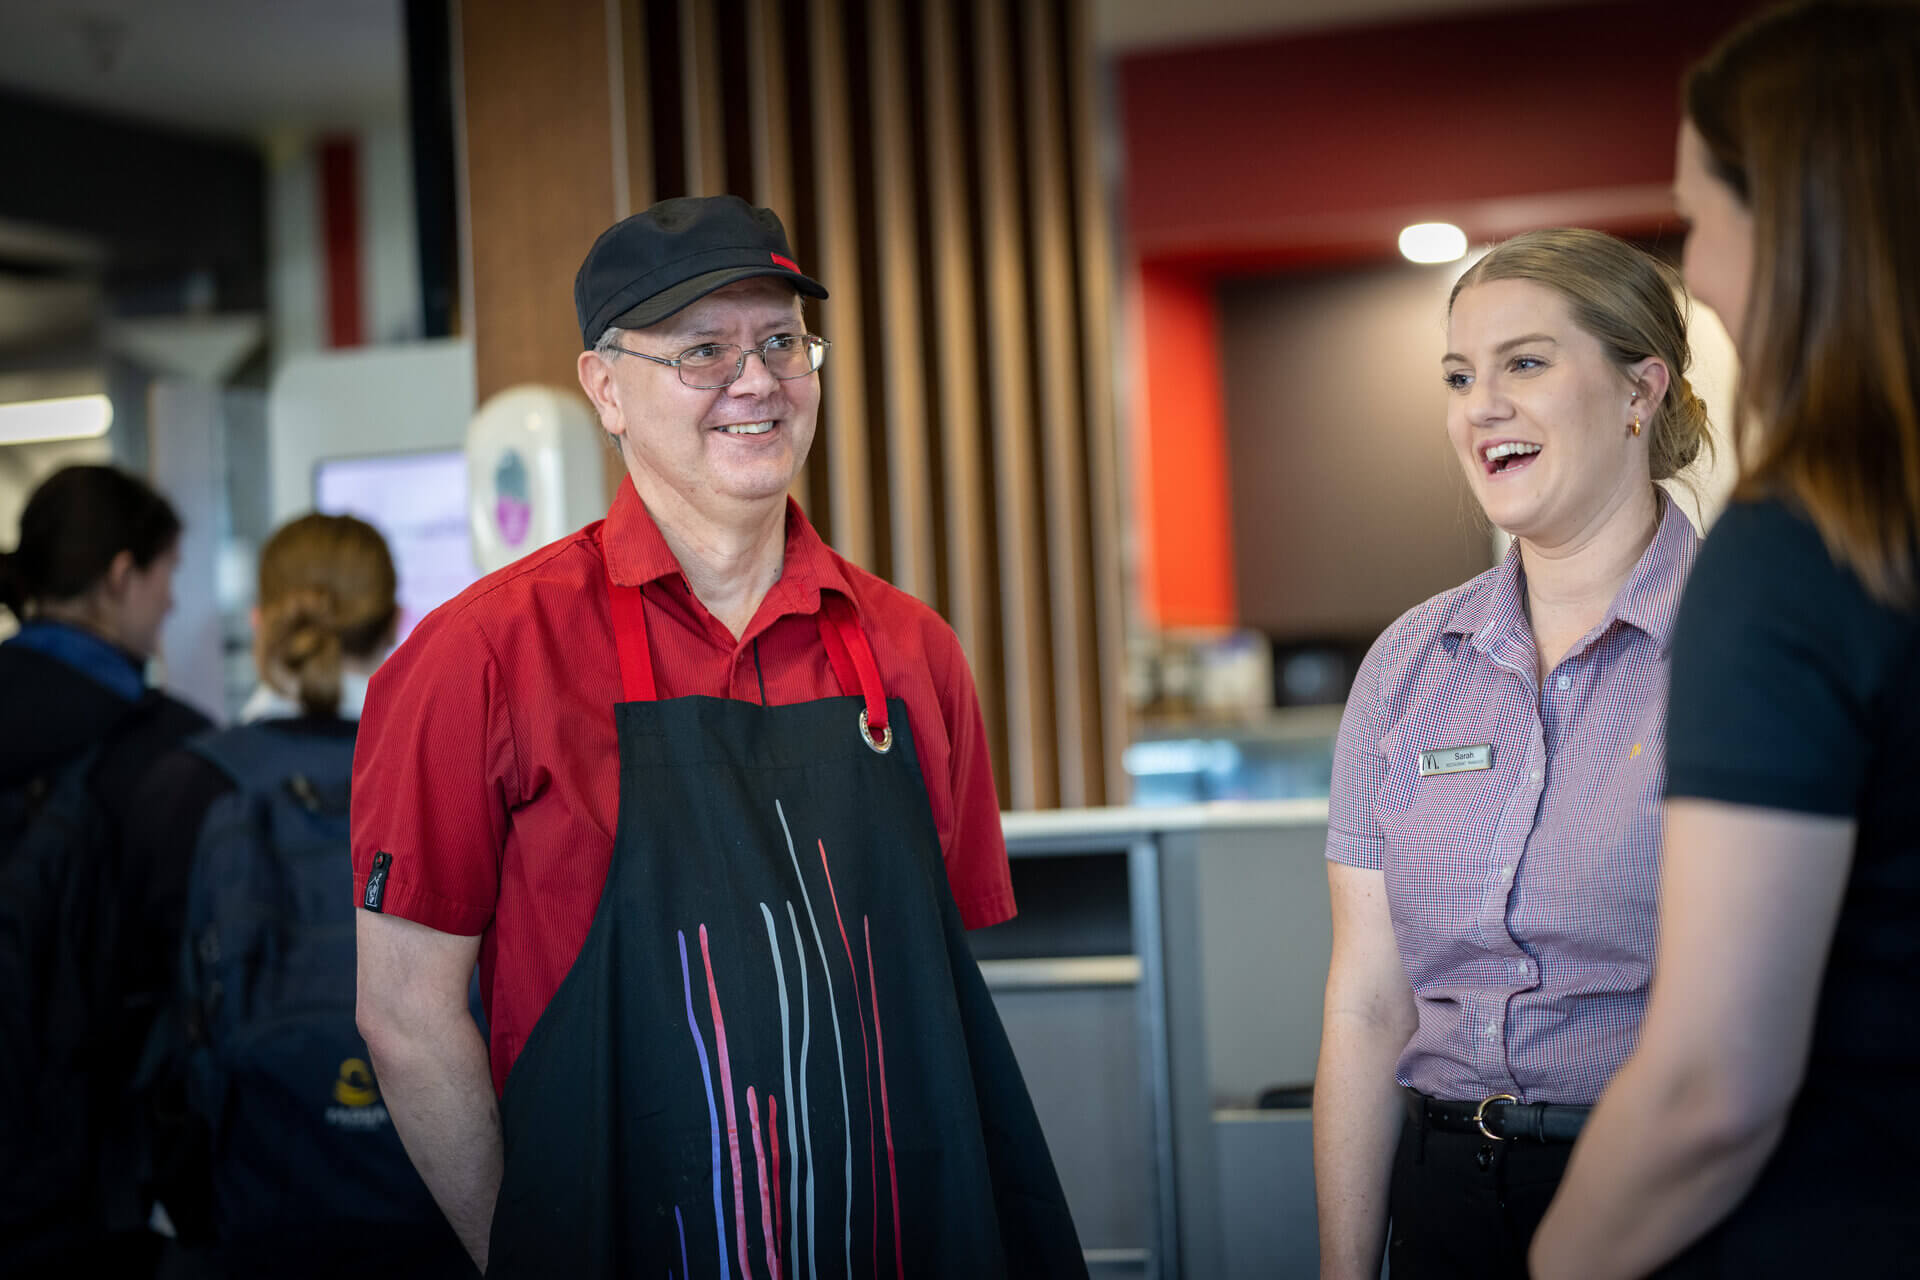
[
  {"x": 1651, "y": 597},
  {"x": 268, "y": 703},
  {"x": 1495, "y": 608},
  {"x": 637, "y": 554},
  {"x": 1492, "y": 607}
]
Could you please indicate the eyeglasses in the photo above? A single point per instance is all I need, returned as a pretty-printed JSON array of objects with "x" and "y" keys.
[{"x": 713, "y": 365}]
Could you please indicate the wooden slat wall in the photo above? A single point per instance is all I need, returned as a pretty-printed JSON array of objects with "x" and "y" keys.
[
  {"x": 701, "y": 87},
  {"x": 1095, "y": 271},
  {"x": 936, "y": 164},
  {"x": 1064, "y": 495},
  {"x": 766, "y": 121},
  {"x": 766, "y": 104},
  {"x": 898, "y": 290},
  {"x": 968, "y": 600},
  {"x": 1032, "y": 749},
  {"x": 538, "y": 192},
  {"x": 836, "y": 259},
  {"x": 630, "y": 19}
]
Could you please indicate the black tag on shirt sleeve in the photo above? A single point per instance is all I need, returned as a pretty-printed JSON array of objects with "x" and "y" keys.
[{"x": 377, "y": 881}]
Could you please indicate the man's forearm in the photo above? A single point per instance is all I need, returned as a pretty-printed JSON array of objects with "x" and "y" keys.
[{"x": 440, "y": 1094}]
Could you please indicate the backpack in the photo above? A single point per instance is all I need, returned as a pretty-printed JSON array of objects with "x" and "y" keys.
[
  {"x": 276, "y": 1070},
  {"x": 70, "y": 1158}
]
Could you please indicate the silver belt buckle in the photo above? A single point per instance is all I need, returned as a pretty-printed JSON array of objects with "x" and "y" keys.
[{"x": 1480, "y": 1115}]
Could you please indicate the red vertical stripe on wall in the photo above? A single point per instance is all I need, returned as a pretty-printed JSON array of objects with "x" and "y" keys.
[
  {"x": 1180, "y": 454},
  {"x": 340, "y": 239}
]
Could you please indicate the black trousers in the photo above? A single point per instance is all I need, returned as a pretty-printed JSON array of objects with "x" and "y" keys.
[{"x": 1465, "y": 1207}]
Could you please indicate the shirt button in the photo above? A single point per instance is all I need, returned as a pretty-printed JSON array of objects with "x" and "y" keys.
[
  {"x": 1493, "y": 1029},
  {"x": 1535, "y": 775},
  {"x": 1564, "y": 682}
]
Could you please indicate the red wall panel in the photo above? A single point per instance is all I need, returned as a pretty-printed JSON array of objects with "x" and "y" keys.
[
  {"x": 1262, "y": 149},
  {"x": 340, "y": 235},
  {"x": 1180, "y": 463}
]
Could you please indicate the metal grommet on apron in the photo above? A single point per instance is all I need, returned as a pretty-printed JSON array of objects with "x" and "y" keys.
[{"x": 774, "y": 1055}]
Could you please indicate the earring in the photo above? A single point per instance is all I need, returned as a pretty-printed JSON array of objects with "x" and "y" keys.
[{"x": 1636, "y": 424}]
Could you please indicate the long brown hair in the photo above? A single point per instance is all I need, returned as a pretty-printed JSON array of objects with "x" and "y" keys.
[
  {"x": 326, "y": 593},
  {"x": 1811, "y": 114}
]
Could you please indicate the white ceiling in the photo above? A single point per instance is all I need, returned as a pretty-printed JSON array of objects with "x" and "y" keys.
[
  {"x": 241, "y": 67},
  {"x": 256, "y": 67}
]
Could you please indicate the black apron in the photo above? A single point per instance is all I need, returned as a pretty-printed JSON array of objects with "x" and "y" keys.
[{"x": 774, "y": 1056}]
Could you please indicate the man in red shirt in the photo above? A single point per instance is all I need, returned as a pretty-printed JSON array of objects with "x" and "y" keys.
[{"x": 710, "y": 806}]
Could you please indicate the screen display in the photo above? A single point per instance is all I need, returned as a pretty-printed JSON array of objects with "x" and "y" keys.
[{"x": 418, "y": 502}]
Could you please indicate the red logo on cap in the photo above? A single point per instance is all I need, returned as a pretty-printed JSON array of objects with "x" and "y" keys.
[{"x": 788, "y": 263}]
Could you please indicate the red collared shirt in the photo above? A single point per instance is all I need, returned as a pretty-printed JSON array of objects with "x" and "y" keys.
[
  {"x": 487, "y": 764},
  {"x": 1523, "y": 890}
]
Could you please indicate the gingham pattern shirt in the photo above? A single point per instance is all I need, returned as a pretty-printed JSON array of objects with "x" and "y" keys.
[{"x": 1523, "y": 895}]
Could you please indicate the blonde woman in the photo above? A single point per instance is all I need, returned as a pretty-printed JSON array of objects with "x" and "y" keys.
[
  {"x": 1494, "y": 827},
  {"x": 284, "y": 1162}
]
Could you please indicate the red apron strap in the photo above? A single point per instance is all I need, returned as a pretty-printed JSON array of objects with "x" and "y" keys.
[
  {"x": 840, "y": 631},
  {"x": 630, "y": 640},
  {"x": 852, "y": 659}
]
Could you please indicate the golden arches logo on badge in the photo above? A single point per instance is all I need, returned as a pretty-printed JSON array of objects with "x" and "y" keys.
[{"x": 355, "y": 1087}]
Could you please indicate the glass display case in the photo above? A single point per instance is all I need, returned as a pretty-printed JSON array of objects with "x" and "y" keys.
[{"x": 1285, "y": 753}]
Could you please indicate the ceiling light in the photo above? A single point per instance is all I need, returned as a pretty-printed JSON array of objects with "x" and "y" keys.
[
  {"x": 68, "y": 418},
  {"x": 1433, "y": 242}
]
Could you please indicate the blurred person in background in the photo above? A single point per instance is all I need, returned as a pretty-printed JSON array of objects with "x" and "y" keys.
[
  {"x": 277, "y": 1157},
  {"x": 90, "y": 582},
  {"x": 1494, "y": 823},
  {"x": 1765, "y": 1125}
]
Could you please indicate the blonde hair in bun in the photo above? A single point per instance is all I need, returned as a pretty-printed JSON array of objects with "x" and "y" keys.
[{"x": 327, "y": 593}]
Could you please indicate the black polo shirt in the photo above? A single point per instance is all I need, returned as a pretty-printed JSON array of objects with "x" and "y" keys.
[{"x": 1793, "y": 689}]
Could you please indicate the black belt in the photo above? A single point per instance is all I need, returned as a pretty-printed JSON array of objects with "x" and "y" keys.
[{"x": 1502, "y": 1117}]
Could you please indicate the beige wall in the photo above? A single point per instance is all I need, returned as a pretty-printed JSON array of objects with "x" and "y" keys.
[
  {"x": 1713, "y": 374},
  {"x": 1348, "y": 506}
]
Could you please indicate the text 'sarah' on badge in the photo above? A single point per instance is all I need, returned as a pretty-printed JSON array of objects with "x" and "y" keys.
[{"x": 1456, "y": 760}]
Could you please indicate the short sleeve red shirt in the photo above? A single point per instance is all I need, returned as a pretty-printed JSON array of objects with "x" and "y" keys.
[{"x": 488, "y": 767}]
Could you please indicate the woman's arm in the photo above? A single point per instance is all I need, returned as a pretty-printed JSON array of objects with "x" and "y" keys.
[
  {"x": 1357, "y": 1105},
  {"x": 1748, "y": 902}
]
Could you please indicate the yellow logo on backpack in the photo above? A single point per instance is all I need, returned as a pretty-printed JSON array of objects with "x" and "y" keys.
[{"x": 355, "y": 1087}]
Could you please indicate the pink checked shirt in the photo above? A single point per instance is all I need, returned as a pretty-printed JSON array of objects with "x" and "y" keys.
[{"x": 1523, "y": 893}]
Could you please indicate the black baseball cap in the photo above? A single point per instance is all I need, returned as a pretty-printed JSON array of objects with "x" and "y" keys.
[{"x": 644, "y": 268}]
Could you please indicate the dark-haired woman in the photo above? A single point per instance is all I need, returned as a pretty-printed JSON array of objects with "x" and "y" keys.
[
  {"x": 251, "y": 1198},
  {"x": 89, "y": 583},
  {"x": 1765, "y": 1125}
]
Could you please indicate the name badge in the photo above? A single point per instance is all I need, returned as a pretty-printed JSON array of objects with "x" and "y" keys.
[{"x": 1456, "y": 760}]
